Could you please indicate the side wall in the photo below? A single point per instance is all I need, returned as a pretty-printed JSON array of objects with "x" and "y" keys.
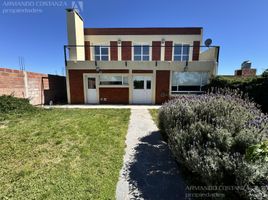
[{"x": 39, "y": 88}]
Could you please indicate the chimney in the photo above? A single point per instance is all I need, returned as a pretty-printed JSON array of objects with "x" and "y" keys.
[{"x": 75, "y": 31}]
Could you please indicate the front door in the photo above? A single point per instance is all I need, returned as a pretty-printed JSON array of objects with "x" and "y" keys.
[
  {"x": 142, "y": 90},
  {"x": 91, "y": 90}
]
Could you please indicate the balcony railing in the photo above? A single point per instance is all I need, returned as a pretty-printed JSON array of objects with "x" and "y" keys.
[{"x": 180, "y": 52}]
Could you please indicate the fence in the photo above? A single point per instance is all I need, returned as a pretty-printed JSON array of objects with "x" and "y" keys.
[{"x": 39, "y": 88}]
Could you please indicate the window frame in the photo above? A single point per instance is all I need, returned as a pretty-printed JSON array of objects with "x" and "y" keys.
[
  {"x": 174, "y": 92},
  {"x": 182, "y": 54},
  {"x": 141, "y": 55},
  {"x": 114, "y": 85},
  {"x": 102, "y": 46}
]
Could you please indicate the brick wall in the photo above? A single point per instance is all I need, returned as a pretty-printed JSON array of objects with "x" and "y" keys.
[
  {"x": 12, "y": 82},
  {"x": 114, "y": 95},
  {"x": 39, "y": 88},
  {"x": 77, "y": 86}
]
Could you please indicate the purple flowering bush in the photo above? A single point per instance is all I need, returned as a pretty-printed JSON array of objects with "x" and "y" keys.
[{"x": 210, "y": 135}]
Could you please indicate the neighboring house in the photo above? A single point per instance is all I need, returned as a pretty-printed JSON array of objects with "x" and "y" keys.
[
  {"x": 246, "y": 70},
  {"x": 134, "y": 65}
]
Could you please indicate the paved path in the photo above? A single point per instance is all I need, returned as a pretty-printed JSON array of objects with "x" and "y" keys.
[
  {"x": 149, "y": 170},
  {"x": 105, "y": 106}
]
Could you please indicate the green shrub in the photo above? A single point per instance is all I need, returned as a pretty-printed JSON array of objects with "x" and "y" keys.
[
  {"x": 256, "y": 88},
  {"x": 13, "y": 105},
  {"x": 258, "y": 152},
  {"x": 210, "y": 134},
  {"x": 265, "y": 73}
]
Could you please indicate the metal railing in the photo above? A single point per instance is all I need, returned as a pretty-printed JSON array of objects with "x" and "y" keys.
[{"x": 172, "y": 56}]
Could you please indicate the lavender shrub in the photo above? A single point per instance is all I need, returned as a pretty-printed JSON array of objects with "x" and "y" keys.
[{"x": 210, "y": 134}]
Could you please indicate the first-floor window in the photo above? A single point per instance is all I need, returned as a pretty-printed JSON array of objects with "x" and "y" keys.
[
  {"x": 113, "y": 80},
  {"x": 141, "y": 52},
  {"x": 188, "y": 81},
  {"x": 101, "y": 53}
]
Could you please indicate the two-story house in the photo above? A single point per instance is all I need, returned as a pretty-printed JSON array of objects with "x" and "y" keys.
[{"x": 134, "y": 65}]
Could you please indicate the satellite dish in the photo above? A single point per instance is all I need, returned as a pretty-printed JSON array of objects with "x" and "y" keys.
[{"x": 208, "y": 42}]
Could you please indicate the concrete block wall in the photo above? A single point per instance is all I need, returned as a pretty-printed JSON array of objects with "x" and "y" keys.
[{"x": 39, "y": 88}]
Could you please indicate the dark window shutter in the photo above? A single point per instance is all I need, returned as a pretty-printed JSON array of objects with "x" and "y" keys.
[
  {"x": 156, "y": 50},
  {"x": 126, "y": 50},
  {"x": 168, "y": 50}
]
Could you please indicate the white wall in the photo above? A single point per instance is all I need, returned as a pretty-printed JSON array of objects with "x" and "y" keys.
[
  {"x": 143, "y": 39},
  {"x": 75, "y": 30}
]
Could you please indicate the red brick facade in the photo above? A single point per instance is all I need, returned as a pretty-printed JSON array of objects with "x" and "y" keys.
[
  {"x": 168, "y": 50},
  {"x": 76, "y": 86},
  {"x": 126, "y": 50},
  {"x": 114, "y": 95},
  {"x": 156, "y": 50},
  {"x": 117, "y": 95},
  {"x": 162, "y": 86},
  {"x": 114, "y": 50}
]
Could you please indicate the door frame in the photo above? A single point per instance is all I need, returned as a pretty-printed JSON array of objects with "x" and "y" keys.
[
  {"x": 152, "y": 76},
  {"x": 85, "y": 77}
]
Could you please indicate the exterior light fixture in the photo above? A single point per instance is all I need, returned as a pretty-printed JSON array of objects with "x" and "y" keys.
[
  {"x": 97, "y": 69},
  {"x": 185, "y": 69},
  {"x": 119, "y": 41},
  {"x": 163, "y": 41}
]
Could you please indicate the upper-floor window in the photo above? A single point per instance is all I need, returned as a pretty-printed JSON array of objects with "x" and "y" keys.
[
  {"x": 181, "y": 52},
  {"x": 141, "y": 52},
  {"x": 101, "y": 53}
]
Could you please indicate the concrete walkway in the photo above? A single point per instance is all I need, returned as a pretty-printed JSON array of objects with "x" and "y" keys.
[
  {"x": 149, "y": 170},
  {"x": 104, "y": 106}
]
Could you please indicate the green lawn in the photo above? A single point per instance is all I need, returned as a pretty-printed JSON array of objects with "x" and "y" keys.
[
  {"x": 62, "y": 154},
  {"x": 154, "y": 114}
]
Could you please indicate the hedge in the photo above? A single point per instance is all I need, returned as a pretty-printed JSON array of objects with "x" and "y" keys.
[{"x": 256, "y": 88}]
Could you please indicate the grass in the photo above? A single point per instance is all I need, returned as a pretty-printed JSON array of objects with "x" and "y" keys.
[
  {"x": 154, "y": 114},
  {"x": 62, "y": 154}
]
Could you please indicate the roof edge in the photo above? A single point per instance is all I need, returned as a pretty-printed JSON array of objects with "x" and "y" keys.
[{"x": 145, "y": 31}]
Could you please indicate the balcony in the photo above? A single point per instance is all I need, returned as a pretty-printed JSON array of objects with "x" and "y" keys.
[
  {"x": 140, "y": 53},
  {"x": 81, "y": 57}
]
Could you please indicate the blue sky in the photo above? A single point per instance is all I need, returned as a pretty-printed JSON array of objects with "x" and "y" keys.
[{"x": 240, "y": 27}]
